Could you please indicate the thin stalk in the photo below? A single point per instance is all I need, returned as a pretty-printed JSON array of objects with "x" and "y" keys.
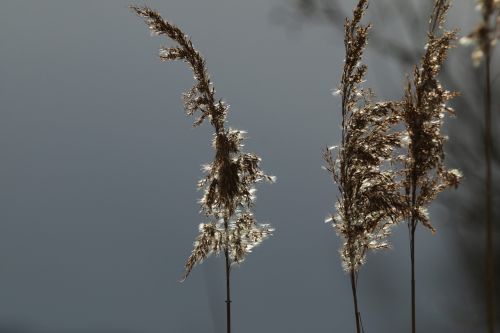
[
  {"x": 412, "y": 225},
  {"x": 488, "y": 199},
  {"x": 355, "y": 298},
  {"x": 228, "y": 281},
  {"x": 412, "y": 255}
]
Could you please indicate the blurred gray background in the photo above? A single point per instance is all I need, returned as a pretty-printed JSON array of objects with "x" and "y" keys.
[{"x": 99, "y": 164}]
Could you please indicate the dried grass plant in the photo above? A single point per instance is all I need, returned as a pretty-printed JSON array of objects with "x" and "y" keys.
[
  {"x": 230, "y": 179},
  {"x": 375, "y": 193},
  {"x": 424, "y": 108},
  {"x": 370, "y": 201},
  {"x": 486, "y": 36}
]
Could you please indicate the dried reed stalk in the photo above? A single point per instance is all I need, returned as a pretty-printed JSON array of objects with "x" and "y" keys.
[
  {"x": 424, "y": 109},
  {"x": 370, "y": 201},
  {"x": 229, "y": 182},
  {"x": 486, "y": 36}
]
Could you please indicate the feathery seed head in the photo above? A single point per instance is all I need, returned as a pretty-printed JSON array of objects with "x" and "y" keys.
[
  {"x": 424, "y": 108},
  {"x": 228, "y": 187},
  {"x": 487, "y": 32},
  {"x": 362, "y": 166}
]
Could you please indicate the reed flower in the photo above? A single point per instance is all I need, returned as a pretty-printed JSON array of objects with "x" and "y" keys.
[
  {"x": 370, "y": 200},
  {"x": 487, "y": 32},
  {"x": 362, "y": 168},
  {"x": 425, "y": 106},
  {"x": 229, "y": 184},
  {"x": 230, "y": 179},
  {"x": 424, "y": 109}
]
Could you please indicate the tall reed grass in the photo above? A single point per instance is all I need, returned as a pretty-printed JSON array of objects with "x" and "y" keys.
[
  {"x": 378, "y": 188},
  {"x": 229, "y": 184},
  {"x": 370, "y": 198},
  {"x": 485, "y": 36},
  {"x": 389, "y": 166},
  {"x": 425, "y": 106}
]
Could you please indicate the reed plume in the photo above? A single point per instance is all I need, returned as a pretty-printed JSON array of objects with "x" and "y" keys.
[
  {"x": 229, "y": 184},
  {"x": 370, "y": 201},
  {"x": 424, "y": 109},
  {"x": 485, "y": 36}
]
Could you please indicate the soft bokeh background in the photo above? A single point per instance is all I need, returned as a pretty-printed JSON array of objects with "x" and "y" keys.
[{"x": 99, "y": 167}]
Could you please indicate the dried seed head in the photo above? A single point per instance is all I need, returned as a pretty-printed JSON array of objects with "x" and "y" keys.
[
  {"x": 424, "y": 108},
  {"x": 370, "y": 202},
  {"x": 228, "y": 187},
  {"x": 486, "y": 34}
]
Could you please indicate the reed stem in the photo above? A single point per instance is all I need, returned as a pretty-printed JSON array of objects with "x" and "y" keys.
[
  {"x": 355, "y": 298},
  {"x": 488, "y": 195}
]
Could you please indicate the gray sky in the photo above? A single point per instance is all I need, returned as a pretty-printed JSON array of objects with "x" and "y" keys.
[{"x": 99, "y": 167}]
